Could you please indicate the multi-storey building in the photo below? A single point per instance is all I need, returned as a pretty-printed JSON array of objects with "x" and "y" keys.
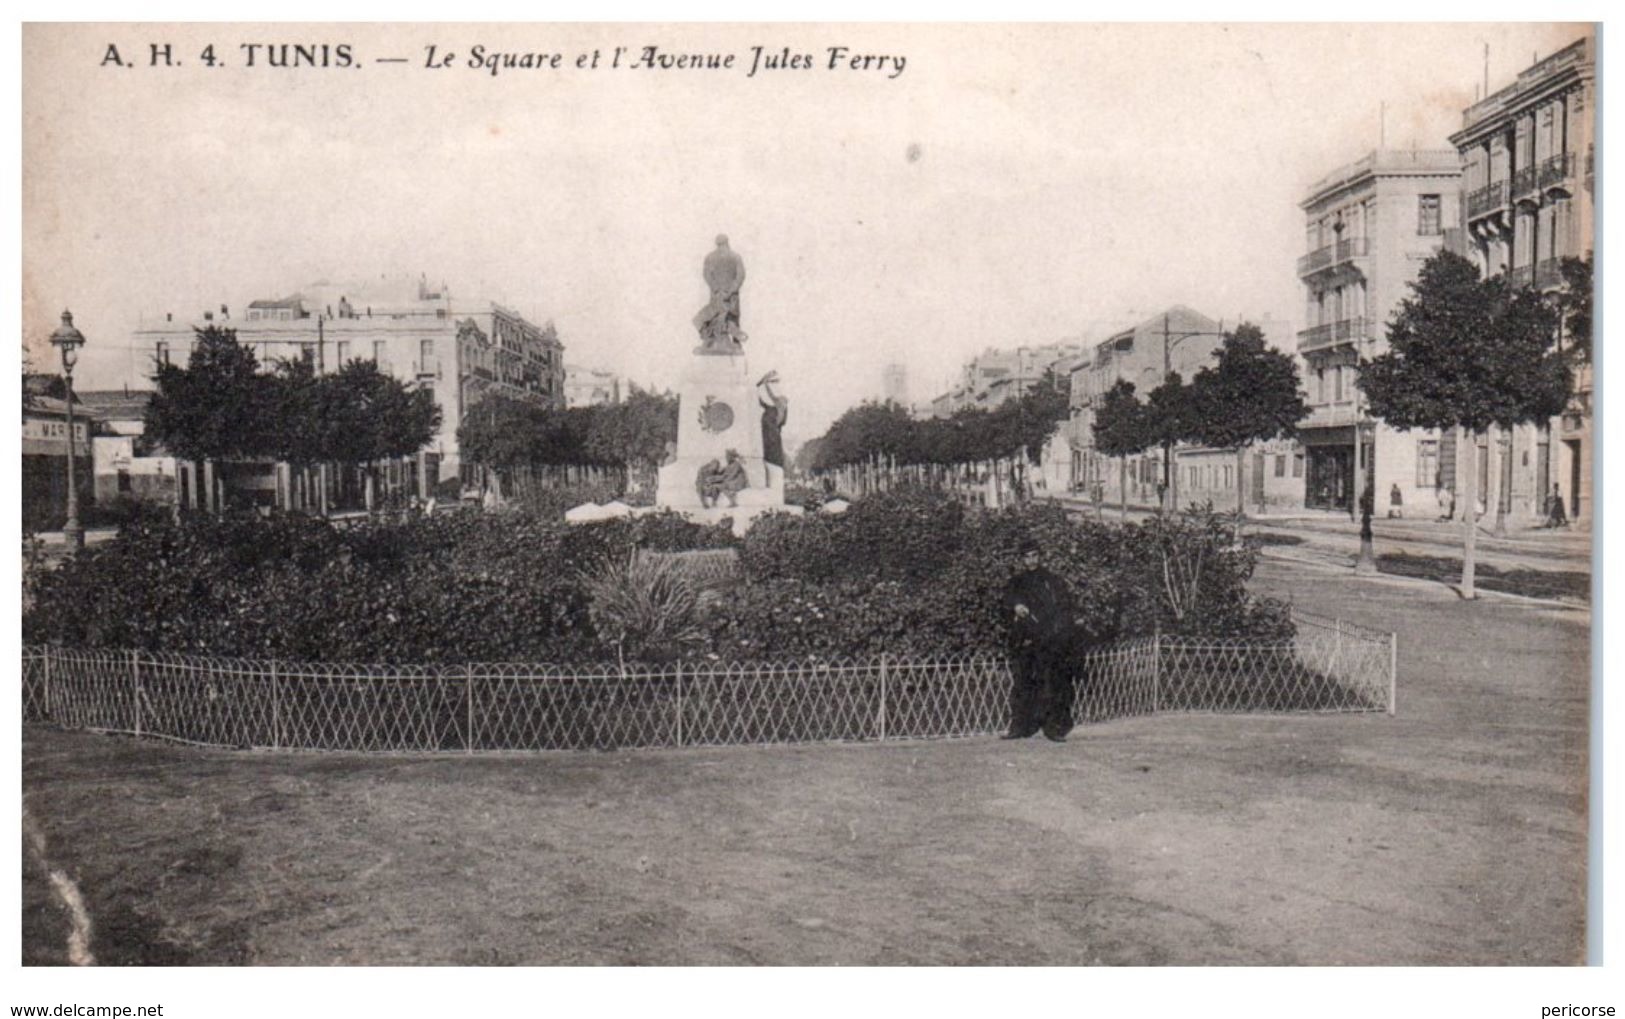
[
  {"x": 1370, "y": 226},
  {"x": 459, "y": 350},
  {"x": 1178, "y": 340},
  {"x": 1528, "y": 155}
]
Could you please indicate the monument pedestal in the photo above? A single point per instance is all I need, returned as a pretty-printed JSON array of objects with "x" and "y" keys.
[{"x": 718, "y": 411}]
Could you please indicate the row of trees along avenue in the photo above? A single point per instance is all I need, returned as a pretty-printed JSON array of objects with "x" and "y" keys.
[
  {"x": 1250, "y": 394},
  {"x": 225, "y": 406},
  {"x": 525, "y": 444},
  {"x": 875, "y": 443}
]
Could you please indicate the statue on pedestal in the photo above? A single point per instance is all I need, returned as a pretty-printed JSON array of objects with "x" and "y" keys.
[{"x": 718, "y": 321}]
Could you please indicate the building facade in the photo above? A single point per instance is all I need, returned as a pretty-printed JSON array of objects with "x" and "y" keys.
[
  {"x": 590, "y": 387},
  {"x": 45, "y": 460},
  {"x": 125, "y": 464},
  {"x": 1180, "y": 340},
  {"x": 1369, "y": 227},
  {"x": 1528, "y": 155},
  {"x": 995, "y": 376},
  {"x": 460, "y": 350}
]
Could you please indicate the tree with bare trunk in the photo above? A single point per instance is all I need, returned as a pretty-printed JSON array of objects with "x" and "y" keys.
[{"x": 1471, "y": 353}]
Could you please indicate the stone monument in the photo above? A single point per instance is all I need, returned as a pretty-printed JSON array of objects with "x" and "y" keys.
[{"x": 719, "y": 468}]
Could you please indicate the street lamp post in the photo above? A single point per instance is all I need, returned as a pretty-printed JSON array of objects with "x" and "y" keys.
[
  {"x": 1365, "y": 474},
  {"x": 1170, "y": 477},
  {"x": 68, "y": 340}
]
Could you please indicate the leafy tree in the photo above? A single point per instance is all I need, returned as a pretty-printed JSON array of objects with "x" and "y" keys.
[
  {"x": 219, "y": 405},
  {"x": 1170, "y": 417},
  {"x": 1028, "y": 421},
  {"x": 868, "y": 430},
  {"x": 634, "y": 433},
  {"x": 1120, "y": 430},
  {"x": 1574, "y": 304},
  {"x": 1472, "y": 353},
  {"x": 361, "y": 416},
  {"x": 1250, "y": 395},
  {"x": 503, "y": 433},
  {"x": 366, "y": 415}
]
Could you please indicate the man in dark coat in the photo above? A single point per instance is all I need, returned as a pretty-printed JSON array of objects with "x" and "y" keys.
[{"x": 1038, "y": 614}]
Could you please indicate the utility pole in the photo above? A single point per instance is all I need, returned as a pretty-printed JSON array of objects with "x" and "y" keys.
[{"x": 1170, "y": 477}]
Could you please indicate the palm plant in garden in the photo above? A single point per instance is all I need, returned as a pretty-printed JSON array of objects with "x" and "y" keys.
[
  {"x": 1469, "y": 353},
  {"x": 644, "y": 606}
]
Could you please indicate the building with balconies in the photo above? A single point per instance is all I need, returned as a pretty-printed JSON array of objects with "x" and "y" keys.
[
  {"x": 1370, "y": 225},
  {"x": 1528, "y": 153},
  {"x": 460, "y": 350}
]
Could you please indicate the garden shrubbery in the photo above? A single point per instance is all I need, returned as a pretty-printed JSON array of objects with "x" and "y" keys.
[
  {"x": 909, "y": 573},
  {"x": 453, "y": 587},
  {"x": 910, "y": 569}
]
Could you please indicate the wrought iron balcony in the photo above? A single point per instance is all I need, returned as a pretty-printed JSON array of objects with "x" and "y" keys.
[
  {"x": 1555, "y": 171},
  {"x": 1333, "y": 255},
  {"x": 1487, "y": 199},
  {"x": 428, "y": 367},
  {"x": 1330, "y": 334}
]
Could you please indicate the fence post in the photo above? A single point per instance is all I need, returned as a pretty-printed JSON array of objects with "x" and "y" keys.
[
  {"x": 276, "y": 709},
  {"x": 50, "y": 716},
  {"x": 1337, "y": 645},
  {"x": 135, "y": 686},
  {"x": 883, "y": 696},
  {"x": 679, "y": 702},
  {"x": 468, "y": 733},
  {"x": 1156, "y": 670},
  {"x": 1393, "y": 672}
]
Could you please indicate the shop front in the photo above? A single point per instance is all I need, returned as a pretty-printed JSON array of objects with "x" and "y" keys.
[{"x": 1329, "y": 481}]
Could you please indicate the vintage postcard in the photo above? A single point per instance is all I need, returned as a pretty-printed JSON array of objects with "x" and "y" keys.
[{"x": 785, "y": 495}]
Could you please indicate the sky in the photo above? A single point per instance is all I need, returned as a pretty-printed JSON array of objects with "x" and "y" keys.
[{"x": 1012, "y": 185}]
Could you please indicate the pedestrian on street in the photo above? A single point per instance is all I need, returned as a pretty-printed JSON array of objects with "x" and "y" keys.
[
  {"x": 1038, "y": 615},
  {"x": 1556, "y": 514}
]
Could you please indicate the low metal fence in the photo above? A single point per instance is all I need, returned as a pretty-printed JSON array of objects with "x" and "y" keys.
[{"x": 1329, "y": 666}]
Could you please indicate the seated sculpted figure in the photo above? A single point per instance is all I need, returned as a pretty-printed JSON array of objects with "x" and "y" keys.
[
  {"x": 734, "y": 479},
  {"x": 709, "y": 483}
]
